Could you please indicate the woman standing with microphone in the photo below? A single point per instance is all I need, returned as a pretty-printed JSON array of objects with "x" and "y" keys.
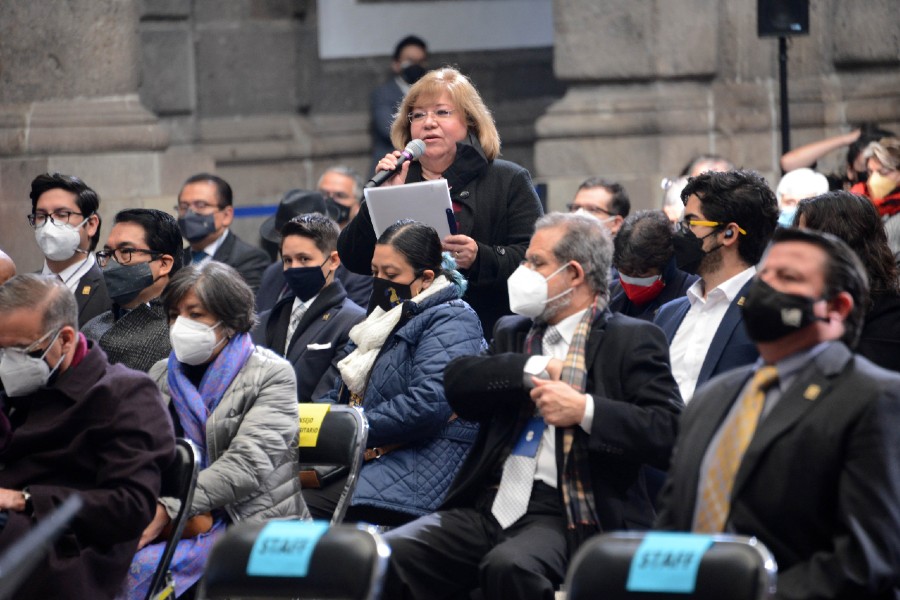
[{"x": 494, "y": 200}]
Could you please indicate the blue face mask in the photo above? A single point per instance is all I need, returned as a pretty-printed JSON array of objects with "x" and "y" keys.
[{"x": 786, "y": 218}]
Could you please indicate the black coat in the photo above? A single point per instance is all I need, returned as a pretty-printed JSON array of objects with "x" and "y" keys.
[
  {"x": 91, "y": 295},
  {"x": 319, "y": 342},
  {"x": 636, "y": 409},
  {"x": 880, "y": 338},
  {"x": 819, "y": 484},
  {"x": 248, "y": 260},
  {"x": 497, "y": 208}
]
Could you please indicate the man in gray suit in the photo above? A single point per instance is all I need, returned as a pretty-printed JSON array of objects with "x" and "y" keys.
[{"x": 799, "y": 449}]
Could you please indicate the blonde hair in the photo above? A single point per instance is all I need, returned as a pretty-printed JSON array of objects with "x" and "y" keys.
[
  {"x": 887, "y": 151},
  {"x": 466, "y": 99}
]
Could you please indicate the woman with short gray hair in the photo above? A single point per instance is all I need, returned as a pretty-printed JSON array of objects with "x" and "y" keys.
[{"x": 238, "y": 403}]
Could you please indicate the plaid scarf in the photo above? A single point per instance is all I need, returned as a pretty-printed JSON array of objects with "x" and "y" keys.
[{"x": 578, "y": 497}]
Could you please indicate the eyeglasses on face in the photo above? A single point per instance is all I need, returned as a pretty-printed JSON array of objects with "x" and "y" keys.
[
  {"x": 123, "y": 255},
  {"x": 440, "y": 114},
  {"x": 58, "y": 217},
  {"x": 591, "y": 209},
  {"x": 687, "y": 225},
  {"x": 198, "y": 207}
]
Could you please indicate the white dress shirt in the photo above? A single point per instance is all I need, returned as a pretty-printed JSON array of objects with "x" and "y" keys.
[
  {"x": 72, "y": 274},
  {"x": 546, "y": 457},
  {"x": 695, "y": 334},
  {"x": 213, "y": 248}
]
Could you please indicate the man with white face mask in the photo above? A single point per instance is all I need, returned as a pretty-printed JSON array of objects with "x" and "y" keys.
[
  {"x": 66, "y": 221},
  {"x": 71, "y": 423},
  {"x": 566, "y": 383}
]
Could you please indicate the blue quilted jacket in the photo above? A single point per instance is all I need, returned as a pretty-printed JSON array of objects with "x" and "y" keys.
[{"x": 405, "y": 402}]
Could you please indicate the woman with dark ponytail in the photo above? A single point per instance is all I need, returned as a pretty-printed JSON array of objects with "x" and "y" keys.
[{"x": 417, "y": 323}]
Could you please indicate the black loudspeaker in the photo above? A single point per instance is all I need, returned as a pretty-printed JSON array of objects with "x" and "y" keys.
[{"x": 777, "y": 18}]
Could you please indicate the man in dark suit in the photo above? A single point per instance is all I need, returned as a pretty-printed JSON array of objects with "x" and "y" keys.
[
  {"x": 205, "y": 212},
  {"x": 583, "y": 396},
  {"x": 814, "y": 467},
  {"x": 311, "y": 326},
  {"x": 66, "y": 221},
  {"x": 728, "y": 220}
]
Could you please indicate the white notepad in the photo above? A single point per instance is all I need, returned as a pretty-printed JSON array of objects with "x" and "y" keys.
[{"x": 427, "y": 202}]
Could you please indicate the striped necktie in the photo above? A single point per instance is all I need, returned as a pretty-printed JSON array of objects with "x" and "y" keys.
[
  {"x": 714, "y": 502},
  {"x": 296, "y": 315}
]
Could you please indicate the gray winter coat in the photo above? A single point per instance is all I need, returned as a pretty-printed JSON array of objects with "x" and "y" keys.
[{"x": 251, "y": 440}]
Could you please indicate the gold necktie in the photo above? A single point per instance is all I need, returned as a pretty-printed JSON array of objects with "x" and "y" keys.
[{"x": 714, "y": 502}]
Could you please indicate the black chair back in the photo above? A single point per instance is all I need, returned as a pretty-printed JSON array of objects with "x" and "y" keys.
[
  {"x": 732, "y": 567},
  {"x": 341, "y": 443},
  {"x": 178, "y": 481},
  {"x": 346, "y": 562}
]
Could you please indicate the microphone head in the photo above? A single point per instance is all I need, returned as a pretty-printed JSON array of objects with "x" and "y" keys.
[{"x": 415, "y": 149}]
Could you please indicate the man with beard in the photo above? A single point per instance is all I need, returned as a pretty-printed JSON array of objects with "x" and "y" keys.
[
  {"x": 728, "y": 220},
  {"x": 799, "y": 449}
]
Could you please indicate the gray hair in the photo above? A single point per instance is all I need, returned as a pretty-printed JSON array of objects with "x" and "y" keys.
[
  {"x": 586, "y": 241},
  {"x": 220, "y": 289},
  {"x": 347, "y": 172},
  {"x": 44, "y": 292}
]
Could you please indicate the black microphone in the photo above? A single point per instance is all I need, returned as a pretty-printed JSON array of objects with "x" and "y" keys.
[{"x": 414, "y": 149}]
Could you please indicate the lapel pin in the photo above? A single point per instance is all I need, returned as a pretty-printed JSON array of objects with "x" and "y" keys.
[
  {"x": 740, "y": 301},
  {"x": 812, "y": 392},
  {"x": 326, "y": 316},
  {"x": 86, "y": 290}
]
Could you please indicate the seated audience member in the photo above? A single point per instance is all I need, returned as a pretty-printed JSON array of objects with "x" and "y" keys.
[
  {"x": 65, "y": 215},
  {"x": 145, "y": 248},
  {"x": 205, "y": 212},
  {"x": 728, "y": 220},
  {"x": 294, "y": 203},
  {"x": 883, "y": 186},
  {"x": 799, "y": 449},
  {"x": 603, "y": 199},
  {"x": 855, "y": 220},
  {"x": 7, "y": 267},
  {"x": 795, "y": 186},
  {"x": 343, "y": 186},
  {"x": 577, "y": 386},
  {"x": 417, "y": 323},
  {"x": 644, "y": 256},
  {"x": 237, "y": 403},
  {"x": 855, "y": 170},
  {"x": 311, "y": 325},
  {"x": 704, "y": 163},
  {"x": 71, "y": 424}
]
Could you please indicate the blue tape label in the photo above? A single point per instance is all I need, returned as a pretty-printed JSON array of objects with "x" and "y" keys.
[
  {"x": 667, "y": 562},
  {"x": 284, "y": 548}
]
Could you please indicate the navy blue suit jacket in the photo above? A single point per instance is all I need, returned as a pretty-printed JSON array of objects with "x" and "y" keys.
[{"x": 731, "y": 347}]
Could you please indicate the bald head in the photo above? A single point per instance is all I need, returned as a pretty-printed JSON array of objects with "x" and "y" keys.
[{"x": 7, "y": 267}]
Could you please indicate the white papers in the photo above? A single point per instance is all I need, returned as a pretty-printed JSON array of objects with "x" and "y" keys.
[{"x": 427, "y": 202}]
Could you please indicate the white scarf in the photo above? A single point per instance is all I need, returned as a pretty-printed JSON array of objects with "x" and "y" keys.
[{"x": 369, "y": 337}]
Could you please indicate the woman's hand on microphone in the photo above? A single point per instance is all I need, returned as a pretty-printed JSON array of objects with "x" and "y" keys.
[{"x": 389, "y": 163}]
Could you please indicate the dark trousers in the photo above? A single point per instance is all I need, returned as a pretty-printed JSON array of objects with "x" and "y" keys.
[{"x": 448, "y": 553}]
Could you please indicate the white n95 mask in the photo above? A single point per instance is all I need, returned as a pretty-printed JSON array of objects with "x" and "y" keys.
[
  {"x": 58, "y": 241},
  {"x": 23, "y": 374},
  {"x": 193, "y": 341},
  {"x": 528, "y": 291}
]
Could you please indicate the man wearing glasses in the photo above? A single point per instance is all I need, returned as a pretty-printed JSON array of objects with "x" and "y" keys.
[
  {"x": 205, "y": 212},
  {"x": 66, "y": 223},
  {"x": 729, "y": 218},
  {"x": 142, "y": 253},
  {"x": 603, "y": 199}
]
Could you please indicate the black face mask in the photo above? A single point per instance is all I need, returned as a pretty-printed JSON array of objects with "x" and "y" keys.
[
  {"x": 305, "y": 282},
  {"x": 125, "y": 282},
  {"x": 412, "y": 73},
  {"x": 689, "y": 250},
  {"x": 388, "y": 294},
  {"x": 195, "y": 227},
  {"x": 338, "y": 212},
  {"x": 770, "y": 315}
]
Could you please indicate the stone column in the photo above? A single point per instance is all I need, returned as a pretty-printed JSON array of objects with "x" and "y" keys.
[
  {"x": 69, "y": 75},
  {"x": 655, "y": 82}
]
